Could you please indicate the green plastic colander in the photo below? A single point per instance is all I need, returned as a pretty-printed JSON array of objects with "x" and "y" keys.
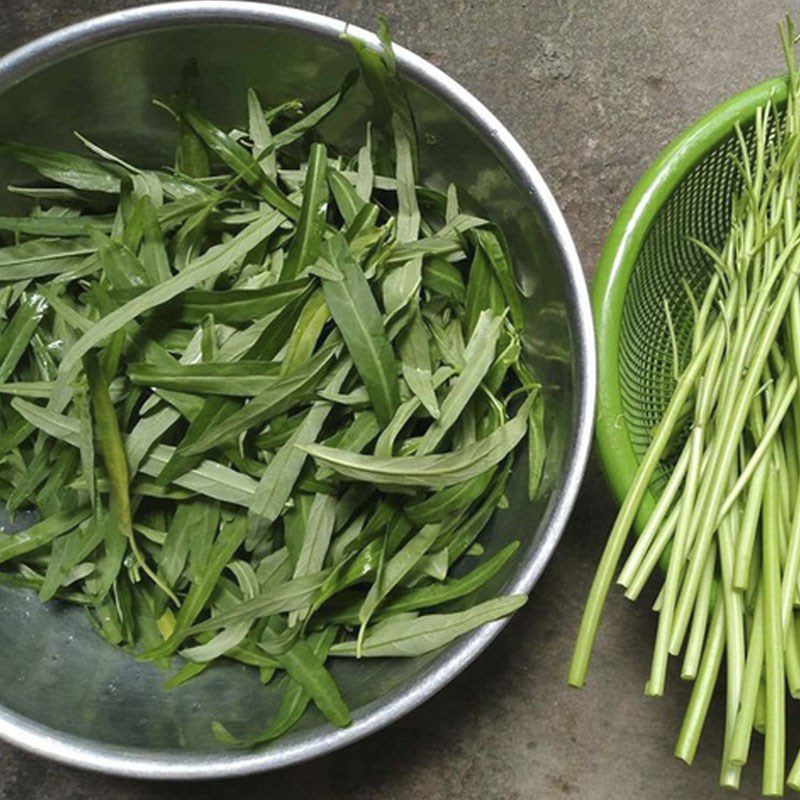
[{"x": 649, "y": 258}]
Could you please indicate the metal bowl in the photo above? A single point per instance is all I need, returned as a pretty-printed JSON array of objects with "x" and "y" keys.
[{"x": 64, "y": 693}]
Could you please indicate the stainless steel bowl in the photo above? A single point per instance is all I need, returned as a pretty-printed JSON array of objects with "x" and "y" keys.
[{"x": 63, "y": 692}]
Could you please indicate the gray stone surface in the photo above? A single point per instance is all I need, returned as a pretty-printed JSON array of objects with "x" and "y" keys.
[{"x": 593, "y": 91}]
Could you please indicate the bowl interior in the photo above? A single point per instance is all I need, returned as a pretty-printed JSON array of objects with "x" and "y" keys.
[{"x": 54, "y": 670}]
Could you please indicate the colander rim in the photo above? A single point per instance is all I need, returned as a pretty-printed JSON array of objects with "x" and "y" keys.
[{"x": 615, "y": 451}]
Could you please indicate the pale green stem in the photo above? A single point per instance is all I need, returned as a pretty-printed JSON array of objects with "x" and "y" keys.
[
  {"x": 677, "y": 561},
  {"x": 740, "y": 745},
  {"x": 792, "y": 661},
  {"x": 790, "y": 569},
  {"x": 686, "y": 746},
  {"x": 774, "y": 741},
  {"x": 730, "y": 774},
  {"x": 653, "y": 526},
  {"x": 619, "y": 534},
  {"x": 697, "y": 633},
  {"x": 730, "y": 431},
  {"x": 650, "y": 561},
  {"x": 778, "y": 410}
]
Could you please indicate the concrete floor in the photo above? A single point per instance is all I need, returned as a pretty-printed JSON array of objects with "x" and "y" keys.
[{"x": 593, "y": 91}]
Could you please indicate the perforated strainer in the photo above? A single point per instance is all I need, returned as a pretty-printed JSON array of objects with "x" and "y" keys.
[{"x": 648, "y": 259}]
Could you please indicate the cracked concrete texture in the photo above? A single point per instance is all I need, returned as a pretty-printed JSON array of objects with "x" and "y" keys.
[{"x": 593, "y": 91}]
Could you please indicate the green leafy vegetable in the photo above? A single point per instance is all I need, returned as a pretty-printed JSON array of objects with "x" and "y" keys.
[
  {"x": 306, "y": 243},
  {"x": 433, "y": 471},
  {"x": 358, "y": 318},
  {"x": 176, "y": 343},
  {"x": 403, "y": 636}
]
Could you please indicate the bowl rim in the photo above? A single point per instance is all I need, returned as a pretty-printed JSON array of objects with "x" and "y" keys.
[
  {"x": 618, "y": 259},
  {"x": 142, "y": 763}
]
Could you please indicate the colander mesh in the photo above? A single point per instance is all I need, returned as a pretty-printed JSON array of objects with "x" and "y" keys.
[{"x": 699, "y": 207}]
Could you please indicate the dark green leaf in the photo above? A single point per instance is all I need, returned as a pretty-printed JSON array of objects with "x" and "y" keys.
[
  {"x": 41, "y": 533},
  {"x": 415, "y": 358},
  {"x": 230, "y": 538},
  {"x": 306, "y": 668},
  {"x": 239, "y": 379},
  {"x": 406, "y": 637},
  {"x": 16, "y": 336},
  {"x": 277, "y": 399},
  {"x": 429, "y": 471},
  {"x": 450, "y": 500},
  {"x": 491, "y": 244},
  {"x": 72, "y": 170},
  {"x": 305, "y": 247},
  {"x": 41, "y": 257},
  {"x": 444, "y": 278},
  {"x": 231, "y": 306},
  {"x": 356, "y": 314},
  {"x": 241, "y": 162},
  {"x": 478, "y": 357}
]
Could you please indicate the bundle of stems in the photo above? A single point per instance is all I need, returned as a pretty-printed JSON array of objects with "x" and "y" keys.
[{"x": 726, "y": 527}]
